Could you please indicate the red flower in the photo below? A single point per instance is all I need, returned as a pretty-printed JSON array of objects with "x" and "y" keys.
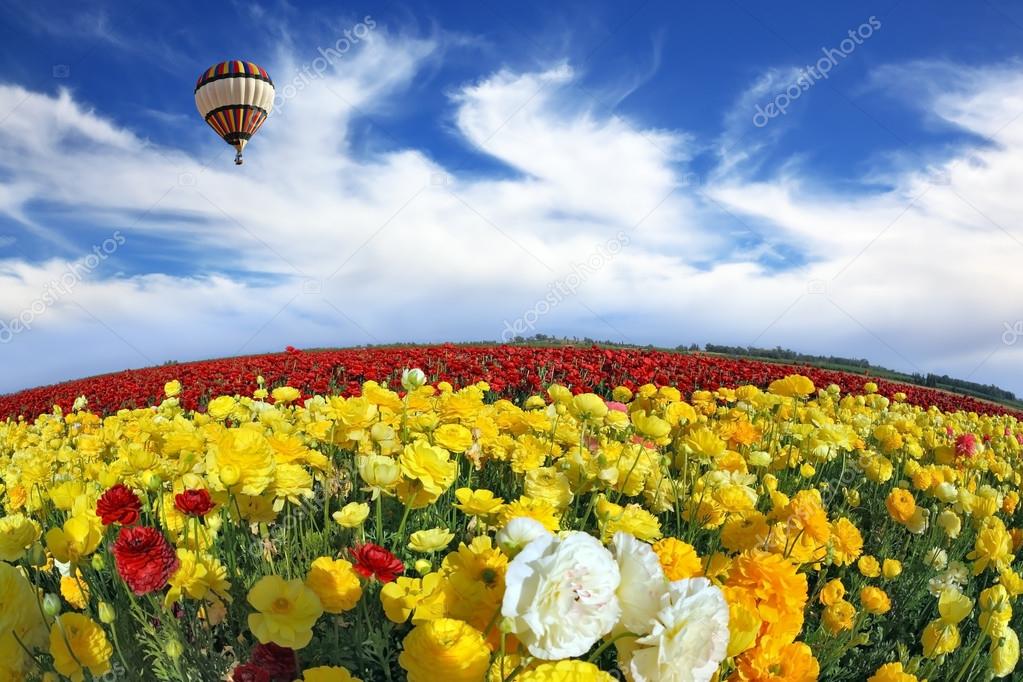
[
  {"x": 250, "y": 672},
  {"x": 375, "y": 561},
  {"x": 144, "y": 558},
  {"x": 195, "y": 502},
  {"x": 279, "y": 662},
  {"x": 118, "y": 504}
]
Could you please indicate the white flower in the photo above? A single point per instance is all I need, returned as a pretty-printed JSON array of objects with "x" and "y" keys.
[
  {"x": 411, "y": 379},
  {"x": 643, "y": 583},
  {"x": 936, "y": 558},
  {"x": 518, "y": 533},
  {"x": 560, "y": 595},
  {"x": 918, "y": 523},
  {"x": 689, "y": 637},
  {"x": 81, "y": 402},
  {"x": 946, "y": 492}
]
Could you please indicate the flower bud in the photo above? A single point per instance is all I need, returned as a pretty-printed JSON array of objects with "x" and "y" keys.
[
  {"x": 107, "y": 615},
  {"x": 98, "y": 562},
  {"x": 174, "y": 649},
  {"x": 51, "y": 605},
  {"x": 411, "y": 379}
]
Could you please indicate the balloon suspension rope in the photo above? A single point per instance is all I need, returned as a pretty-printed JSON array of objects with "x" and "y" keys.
[{"x": 238, "y": 159}]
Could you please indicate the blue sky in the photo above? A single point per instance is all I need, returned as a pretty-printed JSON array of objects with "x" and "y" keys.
[{"x": 466, "y": 169}]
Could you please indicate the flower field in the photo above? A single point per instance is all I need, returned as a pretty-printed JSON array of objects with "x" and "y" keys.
[
  {"x": 512, "y": 372},
  {"x": 507, "y": 513}
]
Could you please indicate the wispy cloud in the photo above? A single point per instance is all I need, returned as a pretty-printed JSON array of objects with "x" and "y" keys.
[{"x": 312, "y": 244}]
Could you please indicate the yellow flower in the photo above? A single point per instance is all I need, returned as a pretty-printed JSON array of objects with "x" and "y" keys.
[
  {"x": 794, "y": 385},
  {"x": 891, "y": 569},
  {"x": 74, "y": 590},
  {"x": 427, "y": 472},
  {"x": 404, "y": 595},
  {"x": 379, "y": 473},
  {"x": 1005, "y": 653},
  {"x": 326, "y": 673},
  {"x": 241, "y": 461},
  {"x": 172, "y": 389},
  {"x": 901, "y": 505},
  {"x": 846, "y": 542},
  {"x": 678, "y": 559},
  {"x": 832, "y": 593},
  {"x": 875, "y": 600},
  {"x": 77, "y": 643},
  {"x": 286, "y": 611},
  {"x": 285, "y": 394},
  {"x": 17, "y": 534},
  {"x": 222, "y": 407},
  {"x": 539, "y": 510},
  {"x": 838, "y": 617},
  {"x": 429, "y": 541},
  {"x": 565, "y": 671},
  {"x": 631, "y": 518},
  {"x": 444, "y": 649},
  {"x": 588, "y": 407},
  {"x": 198, "y": 576},
  {"x": 453, "y": 437},
  {"x": 868, "y": 566},
  {"x": 77, "y": 538},
  {"x": 336, "y": 583},
  {"x": 939, "y": 638},
  {"x": 481, "y": 503},
  {"x": 743, "y": 619},
  {"x": 892, "y": 672},
  {"x": 953, "y": 606},
  {"x": 547, "y": 483},
  {"x": 993, "y": 546},
  {"x": 352, "y": 515}
]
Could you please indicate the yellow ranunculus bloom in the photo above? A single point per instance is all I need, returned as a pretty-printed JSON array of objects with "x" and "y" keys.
[
  {"x": 445, "y": 649},
  {"x": 17, "y": 534},
  {"x": 336, "y": 583},
  {"x": 325, "y": 673},
  {"x": 78, "y": 643},
  {"x": 432, "y": 540},
  {"x": 286, "y": 611},
  {"x": 352, "y": 515}
]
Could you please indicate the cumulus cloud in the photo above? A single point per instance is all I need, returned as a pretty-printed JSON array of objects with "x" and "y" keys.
[{"x": 311, "y": 243}]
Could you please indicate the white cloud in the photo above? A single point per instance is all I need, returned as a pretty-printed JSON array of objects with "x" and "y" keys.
[{"x": 312, "y": 244}]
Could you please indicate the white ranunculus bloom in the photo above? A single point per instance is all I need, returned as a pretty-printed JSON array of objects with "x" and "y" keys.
[
  {"x": 518, "y": 533},
  {"x": 560, "y": 595},
  {"x": 643, "y": 583},
  {"x": 689, "y": 637}
]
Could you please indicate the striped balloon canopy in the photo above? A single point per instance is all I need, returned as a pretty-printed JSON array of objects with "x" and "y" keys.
[{"x": 235, "y": 98}]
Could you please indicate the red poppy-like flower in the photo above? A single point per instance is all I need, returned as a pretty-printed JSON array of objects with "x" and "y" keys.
[
  {"x": 118, "y": 504},
  {"x": 250, "y": 672},
  {"x": 280, "y": 662},
  {"x": 194, "y": 502},
  {"x": 144, "y": 558},
  {"x": 375, "y": 561}
]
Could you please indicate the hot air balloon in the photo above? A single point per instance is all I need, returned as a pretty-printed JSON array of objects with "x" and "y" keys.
[{"x": 235, "y": 98}]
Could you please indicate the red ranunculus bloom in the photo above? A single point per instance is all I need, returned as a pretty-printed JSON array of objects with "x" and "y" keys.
[
  {"x": 250, "y": 672},
  {"x": 375, "y": 561},
  {"x": 118, "y": 504},
  {"x": 144, "y": 558},
  {"x": 195, "y": 502},
  {"x": 279, "y": 661}
]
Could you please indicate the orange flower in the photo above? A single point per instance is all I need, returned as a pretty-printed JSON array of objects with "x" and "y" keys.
[
  {"x": 780, "y": 592},
  {"x": 901, "y": 505},
  {"x": 771, "y": 663}
]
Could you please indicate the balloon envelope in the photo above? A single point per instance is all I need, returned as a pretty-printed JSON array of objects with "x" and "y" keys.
[{"x": 235, "y": 98}]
